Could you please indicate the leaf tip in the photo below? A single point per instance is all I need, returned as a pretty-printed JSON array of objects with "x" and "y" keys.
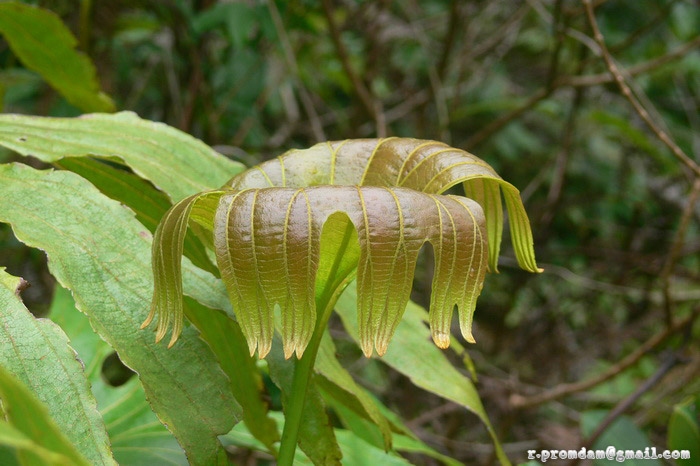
[
  {"x": 289, "y": 349},
  {"x": 381, "y": 347},
  {"x": 441, "y": 339},
  {"x": 149, "y": 319},
  {"x": 264, "y": 348},
  {"x": 467, "y": 334}
]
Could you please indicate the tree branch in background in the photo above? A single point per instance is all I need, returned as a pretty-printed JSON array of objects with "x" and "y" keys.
[
  {"x": 627, "y": 92},
  {"x": 669, "y": 361},
  {"x": 372, "y": 105},
  {"x": 675, "y": 252},
  {"x": 496, "y": 125},
  {"x": 521, "y": 402},
  {"x": 456, "y": 21},
  {"x": 575, "y": 81},
  {"x": 306, "y": 101},
  {"x": 604, "y": 78}
]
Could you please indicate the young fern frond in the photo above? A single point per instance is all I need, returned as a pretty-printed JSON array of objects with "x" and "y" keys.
[{"x": 267, "y": 226}]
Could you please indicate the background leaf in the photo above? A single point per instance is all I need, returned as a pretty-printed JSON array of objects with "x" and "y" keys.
[
  {"x": 44, "y": 44},
  {"x": 623, "y": 434},
  {"x": 30, "y": 425},
  {"x": 684, "y": 429},
  {"x": 37, "y": 353},
  {"x": 413, "y": 355}
]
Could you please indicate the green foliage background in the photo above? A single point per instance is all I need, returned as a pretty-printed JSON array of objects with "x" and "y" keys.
[{"x": 519, "y": 83}]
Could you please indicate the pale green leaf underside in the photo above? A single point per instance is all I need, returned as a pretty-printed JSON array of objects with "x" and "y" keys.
[
  {"x": 37, "y": 352},
  {"x": 107, "y": 269},
  {"x": 268, "y": 222},
  {"x": 135, "y": 434},
  {"x": 156, "y": 152}
]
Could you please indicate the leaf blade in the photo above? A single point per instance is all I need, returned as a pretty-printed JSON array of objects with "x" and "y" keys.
[
  {"x": 30, "y": 417},
  {"x": 108, "y": 271},
  {"x": 37, "y": 352},
  {"x": 44, "y": 44},
  {"x": 173, "y": 161},
  {"x": 423, "y": 363}
]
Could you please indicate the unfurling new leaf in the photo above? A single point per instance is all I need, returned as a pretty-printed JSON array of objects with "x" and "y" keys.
[{"x": 267, "y": 223}]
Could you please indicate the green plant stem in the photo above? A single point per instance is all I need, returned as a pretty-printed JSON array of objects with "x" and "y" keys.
[
  {"x": 303, "y": 372},
  {"x": 303, "y": 369}
]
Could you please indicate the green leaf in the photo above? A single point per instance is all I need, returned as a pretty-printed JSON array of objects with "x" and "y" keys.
[
  {"x": 356, "y": 452},
  {"x": 98, "y": 250},
  {"x": 30, "y": 422},
  {"x": 38, "y": 354},
  {"x": 137, "y": 437},
  {"x": 173, "y": 161},
  {"x": 13, "y": 441},
  {"x": 148, "y": 203},
  {"x": 623, "y": 434},
  {"x": 684, "y": 430},
  {"x": 336, "y": 380},
  {"x": 426, "y": 166},
  {"x": 404, "y": 443},
  {"x": 369, "y": 432},
  {"x": 426, "y": 366},
  {"x": 44, "y": 44},
  {"x": 226, "y": 340}
]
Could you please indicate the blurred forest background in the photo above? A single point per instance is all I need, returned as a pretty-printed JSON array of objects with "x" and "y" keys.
[{"x": 604, "y": 144}]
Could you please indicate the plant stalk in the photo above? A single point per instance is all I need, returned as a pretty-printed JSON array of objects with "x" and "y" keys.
[
  {"x": 303, "y": 371},
  {"x": 304, "y": 367}
]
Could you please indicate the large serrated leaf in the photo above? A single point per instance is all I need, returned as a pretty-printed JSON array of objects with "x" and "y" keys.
[
  {"x": 136, "y": 435},
  {"x": 37, "y": 353},
  {"x": 226, "y": 340},
  {"x": 44, "y": 44},
  {"x": 98, "y": 250}
]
